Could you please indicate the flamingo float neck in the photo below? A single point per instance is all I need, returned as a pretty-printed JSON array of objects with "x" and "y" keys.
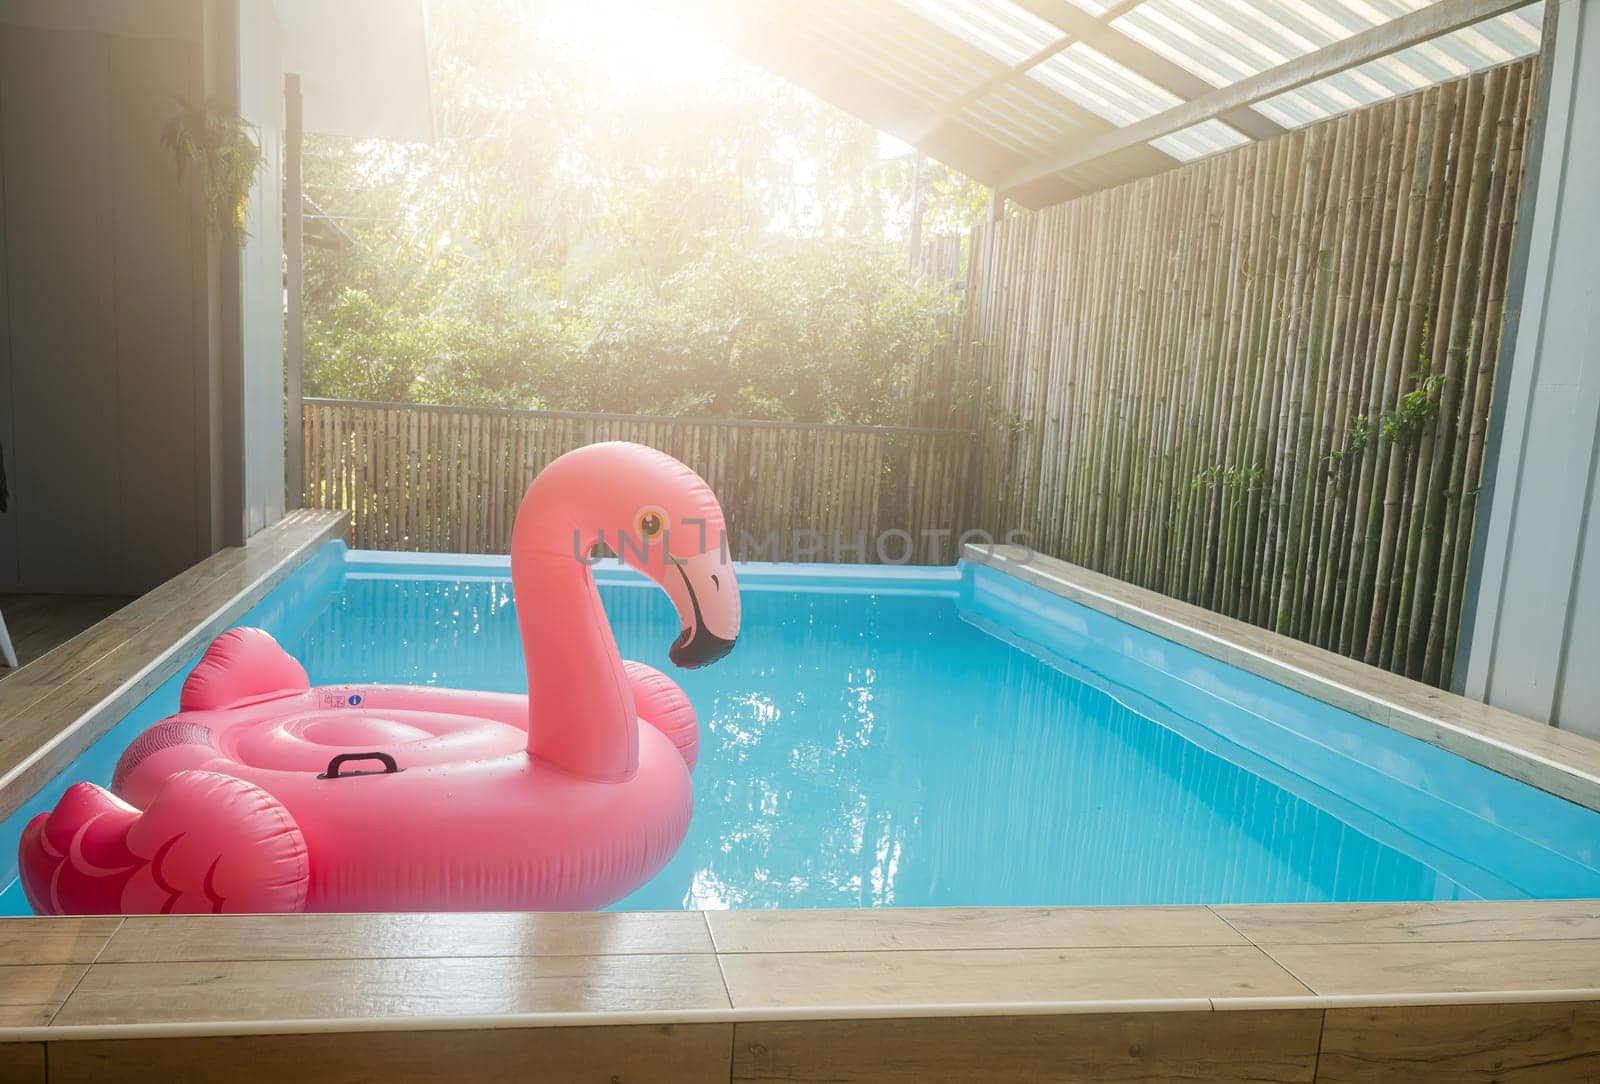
[
  {"x": 666, "y": 523},
  {"x": 572, "y": 661}
]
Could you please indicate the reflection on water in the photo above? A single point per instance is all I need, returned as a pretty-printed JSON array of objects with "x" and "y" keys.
[{"x": 873, "y": 751}]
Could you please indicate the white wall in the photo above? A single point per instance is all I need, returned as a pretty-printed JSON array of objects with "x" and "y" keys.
[
  {"x": 1534, "y": 627},
  {"x": 102, "y": 338}
]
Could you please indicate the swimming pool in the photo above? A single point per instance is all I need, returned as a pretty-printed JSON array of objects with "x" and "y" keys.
[{"x": 926, "y": 737}]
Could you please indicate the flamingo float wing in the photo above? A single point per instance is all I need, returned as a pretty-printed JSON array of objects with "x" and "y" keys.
[
  {"x": 241, "y": 664},
  {"x": 661, "y": 703}
]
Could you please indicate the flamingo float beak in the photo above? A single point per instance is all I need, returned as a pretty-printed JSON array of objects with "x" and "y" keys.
[{"x": 707, "y": 598}]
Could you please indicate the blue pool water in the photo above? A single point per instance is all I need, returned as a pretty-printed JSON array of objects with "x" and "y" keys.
[{"x": 956, "y": 737}]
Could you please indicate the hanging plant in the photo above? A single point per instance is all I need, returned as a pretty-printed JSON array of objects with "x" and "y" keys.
[{"x": 222, "y": 147}]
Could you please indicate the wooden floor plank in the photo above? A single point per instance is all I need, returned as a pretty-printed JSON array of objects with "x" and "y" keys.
[
  {"x": 1532, "y": 1043},
  {"x": 83, "y": 648},
  {"x": 39, "y": 623},
  {"x": 32, "y": 990},
  {"x": 391, "y": 988},
  {"x": 22, "y": 1063},
  {"x": 311, "y": 937},
  {"x": 1442, "y": 967},
  {"x": 58, "y": 709},
  {"x": 1187, "y": 1046},
  {"x": 1001, "y": 976},
  {"x": 55, "y": 940},
  {"x": 1372, "y": 923},
  {"x": 668, "y": 1054},
  {"x": 967, "y": 928}
]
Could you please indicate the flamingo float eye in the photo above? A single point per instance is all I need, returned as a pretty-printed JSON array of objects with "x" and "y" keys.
[{"x": 651, "y": 522}]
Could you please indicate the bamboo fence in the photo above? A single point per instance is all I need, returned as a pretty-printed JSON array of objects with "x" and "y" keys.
[
  {"x": 449, "y": 479},
  {"x": 939, "y": 386},
  {"x": 1261, "y": 382}
]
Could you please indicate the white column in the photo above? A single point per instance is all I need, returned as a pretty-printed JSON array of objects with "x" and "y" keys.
[{"x": 1531, "y": 631}]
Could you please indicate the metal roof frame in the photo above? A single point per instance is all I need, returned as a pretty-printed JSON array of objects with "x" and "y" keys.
[{"x": 1044, "y": 100}]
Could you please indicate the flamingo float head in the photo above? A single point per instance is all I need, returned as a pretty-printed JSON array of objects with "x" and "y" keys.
[{"x": 659, "y": 517}]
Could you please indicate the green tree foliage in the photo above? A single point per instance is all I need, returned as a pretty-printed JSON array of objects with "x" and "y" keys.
[{"x": 728, "y": 247}]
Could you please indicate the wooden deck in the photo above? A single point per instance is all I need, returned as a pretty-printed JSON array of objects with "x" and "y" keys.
[
  {"x": 1290, "y": 993},
  {"x": 39, "y": 623}
]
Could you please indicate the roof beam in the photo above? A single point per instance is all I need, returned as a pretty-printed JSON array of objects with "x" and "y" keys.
[
  {"x": 1097, "y": 32},
  {"x": 1439, "y": 18}
]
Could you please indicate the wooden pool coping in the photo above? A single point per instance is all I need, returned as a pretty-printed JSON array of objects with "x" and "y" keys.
[
  {"x": 55, "y": 707},
  {"x": 1557, "y": 761},
  {"x": 1287, "y": 992}
]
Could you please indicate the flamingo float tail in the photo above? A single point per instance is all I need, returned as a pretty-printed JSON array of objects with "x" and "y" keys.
[{"x": 208, "y": 844}]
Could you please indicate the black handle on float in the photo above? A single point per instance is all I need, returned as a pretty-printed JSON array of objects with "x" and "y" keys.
[{"x": 389, "y": 766}]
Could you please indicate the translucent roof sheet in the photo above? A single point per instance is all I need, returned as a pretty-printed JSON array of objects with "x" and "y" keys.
[
  {"x": 1005, "y": 31},
  {"x": 1496, "y": 41},
  {"x": 1105, "y": 87},
  {"x": 1223, "y": 41},
  {"x": 1025, "y": 105},
  {"x": 1011, "y": 91},
  {"x": 1199, "y": 140},
  {"x": 1120, "y": 95}
]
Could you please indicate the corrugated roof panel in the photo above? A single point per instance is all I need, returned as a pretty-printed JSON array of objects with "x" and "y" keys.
[
  {"x": 1205, "y": 138},
  {"x": 924, "y": 69},
  {"x": 1003, "y": 30},
  {"x": 1102, "y": 86},
  {"x": 1045, "y": 113},
  {"x": 1027, "y": 140},
  {"x": 868, "y": 58},
  {"x": 1033, "y": 126},
  {"x": 1045, "y": 100},
  {"x": 913, "y": 39},
  {"x": 1496, "y": 41},
  {"x": 937, "y": 62},
  {"x": 1044, "y": 135},
  {"x": 1217, "y": 53},
  {"x": 1223, "y": 41}
]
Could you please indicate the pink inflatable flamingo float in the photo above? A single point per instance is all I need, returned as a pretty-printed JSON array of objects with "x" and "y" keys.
[{"x": 264, "y": 794}]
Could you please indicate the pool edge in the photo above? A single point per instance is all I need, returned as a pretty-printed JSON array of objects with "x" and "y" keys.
[
  {"x": 1553, "y": 760},
  {"x": 1318, "y": 974},
  {"x": 60, "y": 703}
]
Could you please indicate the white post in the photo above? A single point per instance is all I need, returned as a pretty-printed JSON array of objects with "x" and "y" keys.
[
  {"x": 294, "y": 251},
  {"x": 8, "y": 654},
  {"x": 1531, "y": 629}
]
